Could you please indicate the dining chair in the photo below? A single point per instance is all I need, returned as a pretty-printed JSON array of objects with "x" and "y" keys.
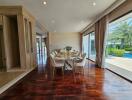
[
  {"x": 52, "y": 53},
  {"x": 55, "y": 52},
  {"x": 56, "y": 64},
  {"x": 79, "y": 63}
]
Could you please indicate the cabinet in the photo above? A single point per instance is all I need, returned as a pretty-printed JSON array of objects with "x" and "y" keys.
[
  {"x": 0, "y": 20},
  {"x": 17, "y": 42}
]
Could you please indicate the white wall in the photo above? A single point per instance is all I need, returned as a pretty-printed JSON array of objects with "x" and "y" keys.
[{"x": 61, "y": 40}]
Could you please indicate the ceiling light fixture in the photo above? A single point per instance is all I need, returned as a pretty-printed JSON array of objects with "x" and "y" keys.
[
  {"x": 94, "y": 4},
  {"x": 44, "y": 2}
]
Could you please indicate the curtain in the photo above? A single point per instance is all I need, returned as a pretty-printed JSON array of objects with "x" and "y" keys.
[
  {"x": 100, "y": 31},
  {"x": 81, "y": 42}
]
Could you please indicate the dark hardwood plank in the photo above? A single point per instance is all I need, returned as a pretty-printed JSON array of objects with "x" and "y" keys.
[{"x": 95, "y": 84}]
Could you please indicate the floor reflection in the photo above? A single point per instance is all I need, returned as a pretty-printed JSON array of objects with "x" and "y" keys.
[
  {"x": 41, "y": 61},
  {"x": 95, "y": 84}
]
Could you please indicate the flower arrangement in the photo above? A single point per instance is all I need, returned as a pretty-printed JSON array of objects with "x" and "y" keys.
[{"x": 68, "y": 48}]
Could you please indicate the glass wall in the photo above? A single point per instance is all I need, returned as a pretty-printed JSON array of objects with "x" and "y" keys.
[
  {"x": 41, "y": 50},
  {"x": 89, "y": 46},
  {"x": 92, "y": 51},
  {"x": 118, "y": 55},
  {"x": 85, "y": 45}
]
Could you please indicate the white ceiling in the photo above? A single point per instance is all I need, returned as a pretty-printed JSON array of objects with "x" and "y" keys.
[{"x": 63, "y": 15}]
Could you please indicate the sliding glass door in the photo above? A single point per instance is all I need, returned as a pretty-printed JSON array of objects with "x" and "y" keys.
[
  {"x": 85, "y": 45},
  {"x": 41, "y": 50},
  {"x": 92, "y": 52},
  {"x": 89, "y": 46},
  {"x": 118, "y": 56}
]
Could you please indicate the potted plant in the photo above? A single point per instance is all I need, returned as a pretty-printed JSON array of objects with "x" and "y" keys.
[{"x": 68, "y": 48}]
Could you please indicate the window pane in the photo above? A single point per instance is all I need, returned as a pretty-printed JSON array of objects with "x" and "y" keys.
[
  {"x": 119, "y": 46},
  {"x": 85, "y": 45},
  {"x": 92, "y": 52}
]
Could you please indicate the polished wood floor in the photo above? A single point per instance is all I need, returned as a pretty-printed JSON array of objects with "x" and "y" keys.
[{"x": 94, "y": 84}]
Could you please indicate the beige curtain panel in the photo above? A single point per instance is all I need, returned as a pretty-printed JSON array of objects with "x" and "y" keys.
[{"x": 100, "y": 30}]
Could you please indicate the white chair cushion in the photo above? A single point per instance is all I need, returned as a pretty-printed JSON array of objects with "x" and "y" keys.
[{"x": 59, "y": 64}]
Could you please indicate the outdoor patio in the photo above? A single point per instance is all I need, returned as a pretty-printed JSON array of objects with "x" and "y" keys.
[{"x": 125, "y": 63}]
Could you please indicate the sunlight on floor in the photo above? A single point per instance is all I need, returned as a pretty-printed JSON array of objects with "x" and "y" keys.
[{"x": 125, "y": 63}]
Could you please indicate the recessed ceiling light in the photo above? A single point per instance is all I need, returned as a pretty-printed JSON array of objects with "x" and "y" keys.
[
  {"x": 44, "y": 2},
  {"x": 94, "y": 4}
]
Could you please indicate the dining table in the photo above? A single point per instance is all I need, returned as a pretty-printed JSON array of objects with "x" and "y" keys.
[{"x": 69, "y": 58}]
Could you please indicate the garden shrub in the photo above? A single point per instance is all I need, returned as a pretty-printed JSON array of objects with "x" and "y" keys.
[
  {"x": 126, "y": 46},
  {"x": 116, "y": 52},
  {"x": 109, "y": 51},
  {"x": 128, "y": 49},
  {"x": 119, "y": 52}
]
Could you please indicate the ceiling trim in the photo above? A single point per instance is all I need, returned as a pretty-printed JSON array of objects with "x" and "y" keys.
[{"x": 107, "y": 11}]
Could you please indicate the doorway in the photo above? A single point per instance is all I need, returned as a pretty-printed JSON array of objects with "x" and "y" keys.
[
  {"x": 89, "y": 46},
  {"x": 41, "y": 50},
  {"x": 2, "y": 55}
]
